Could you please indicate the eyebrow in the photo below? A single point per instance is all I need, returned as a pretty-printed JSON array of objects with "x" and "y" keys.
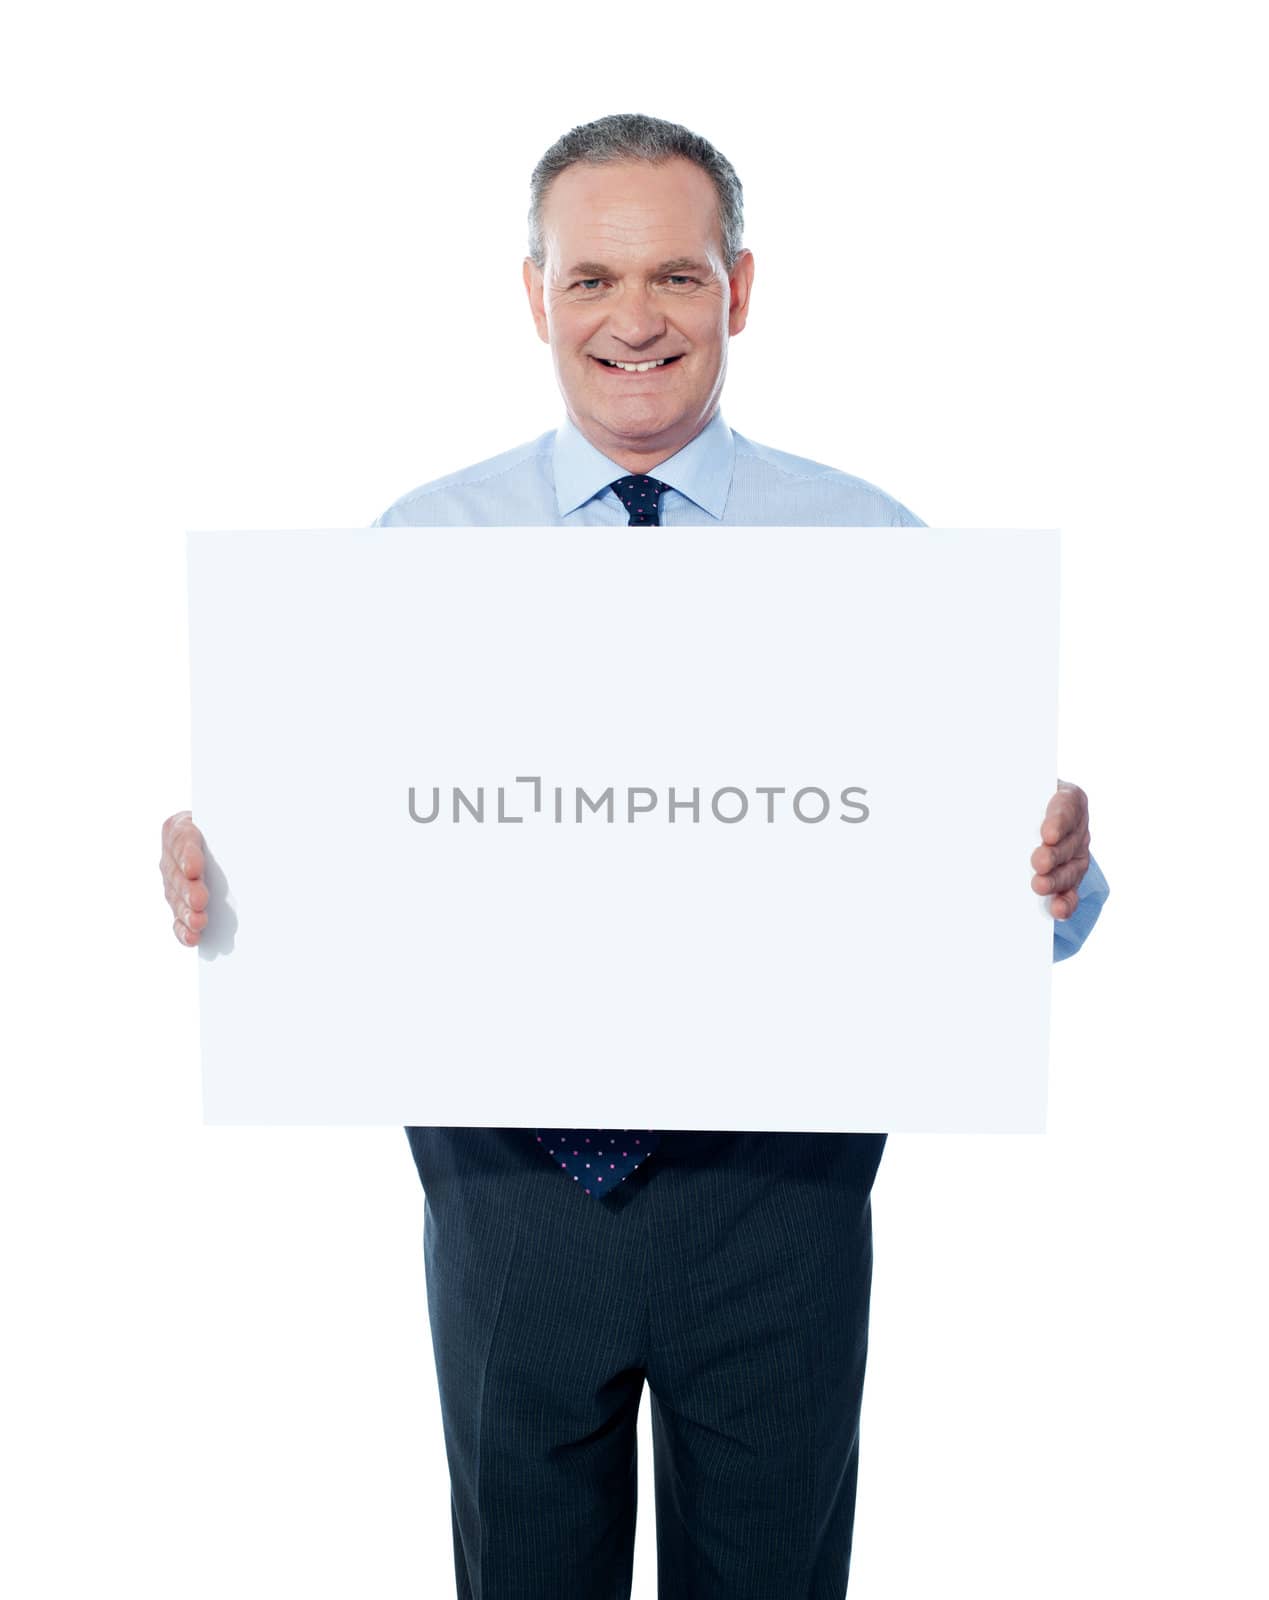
[{"x": 596, "y": 269}]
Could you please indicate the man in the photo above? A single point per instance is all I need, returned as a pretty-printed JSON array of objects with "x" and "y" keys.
[{"x": 564, "y": 1266}]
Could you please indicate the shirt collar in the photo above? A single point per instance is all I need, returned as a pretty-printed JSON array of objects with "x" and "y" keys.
[{"x": 701, "y": 470}]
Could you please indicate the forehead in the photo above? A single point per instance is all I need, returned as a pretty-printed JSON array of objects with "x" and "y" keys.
[{"x": 630, "y": 211}]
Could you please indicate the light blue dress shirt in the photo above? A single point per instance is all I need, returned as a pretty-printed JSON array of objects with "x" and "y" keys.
[{"x": 719, "y": 477}]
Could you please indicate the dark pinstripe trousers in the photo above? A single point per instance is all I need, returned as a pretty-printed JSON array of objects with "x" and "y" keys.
[{"x": 732, "y": 1271}]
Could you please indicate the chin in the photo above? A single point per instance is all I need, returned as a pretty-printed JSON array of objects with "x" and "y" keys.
[{"x": 643, "y": 418}]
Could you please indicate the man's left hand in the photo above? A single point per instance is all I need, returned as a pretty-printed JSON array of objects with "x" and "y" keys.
[{"x": 1061, "y": 860}]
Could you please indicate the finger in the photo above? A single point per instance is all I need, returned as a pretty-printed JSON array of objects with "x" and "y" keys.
[
  {"x": 1045, "y": 857},
  {"x": 186, "y": 935},
  {"x": 1067, "y": 809},
  {"x": 182, "y": 891},
  {"x": 1063, "y": 905},
  {"x": 188, "y": 902},
  {"x": 1058, "y": 820},
  {"x": 1065, "y": 877},
  {"x": 189, "y": 853},
  {"x": 181, "y": 884},
  {"x": 173, "y": 825},
  {"x": 183, "y": 841}
]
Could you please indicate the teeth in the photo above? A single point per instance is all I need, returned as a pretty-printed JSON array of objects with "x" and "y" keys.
[{"x": 636, "y": 366}]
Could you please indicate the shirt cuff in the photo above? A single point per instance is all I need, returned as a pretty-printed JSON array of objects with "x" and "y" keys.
[{"x": 1070, "y": 933}]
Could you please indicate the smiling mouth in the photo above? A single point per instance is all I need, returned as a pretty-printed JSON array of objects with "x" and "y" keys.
[{"x": 634, "y": 366}]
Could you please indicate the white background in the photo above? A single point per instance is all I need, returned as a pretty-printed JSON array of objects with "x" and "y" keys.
[{"x": 262, "y": 270}]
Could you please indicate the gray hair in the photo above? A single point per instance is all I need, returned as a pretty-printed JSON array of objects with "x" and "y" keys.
[{"x": 630, "y": 136}]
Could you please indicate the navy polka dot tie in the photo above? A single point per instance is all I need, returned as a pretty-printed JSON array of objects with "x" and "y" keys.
[
  {"x": 597, "y": 1159},
  {"x": 640, "y": 495}
]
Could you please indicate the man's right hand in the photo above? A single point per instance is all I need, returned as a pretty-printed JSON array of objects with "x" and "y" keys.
[{"x": 182, "y": 866}]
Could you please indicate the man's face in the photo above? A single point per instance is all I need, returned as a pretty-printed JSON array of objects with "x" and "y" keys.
[{"x": 634, "y": 273}]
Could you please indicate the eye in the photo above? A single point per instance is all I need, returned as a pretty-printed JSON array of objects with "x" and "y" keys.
[
  {"x": 583, "y": 283},
  {"x": 678, "y": 277}
]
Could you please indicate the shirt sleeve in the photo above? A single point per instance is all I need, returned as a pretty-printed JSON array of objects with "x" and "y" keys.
[{"x": 1070, "y": 933}]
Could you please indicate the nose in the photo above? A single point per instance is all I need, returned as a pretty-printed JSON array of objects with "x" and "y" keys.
[{"x": 635, "y": 319}]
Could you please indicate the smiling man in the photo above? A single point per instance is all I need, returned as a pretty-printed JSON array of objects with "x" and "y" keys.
[
  {"x": 565, "y": 1266},
  {"x": 637, "y": 294}
]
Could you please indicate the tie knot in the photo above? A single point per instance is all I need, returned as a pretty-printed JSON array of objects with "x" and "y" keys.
[{"x": 641, "y": 496}]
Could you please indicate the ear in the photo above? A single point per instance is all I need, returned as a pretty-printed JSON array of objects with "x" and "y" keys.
[
  {"x": 533, "y": 285},
  {"x": 741, "y": 281}
]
